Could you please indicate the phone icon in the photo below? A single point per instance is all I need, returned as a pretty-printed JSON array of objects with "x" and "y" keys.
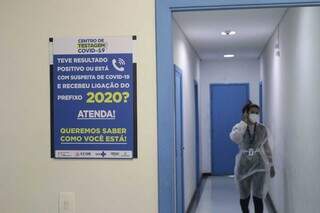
[{"x": 118, "y": 64}]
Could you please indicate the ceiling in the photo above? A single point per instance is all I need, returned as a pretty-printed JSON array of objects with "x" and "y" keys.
[{"x": 253, "y": 29}]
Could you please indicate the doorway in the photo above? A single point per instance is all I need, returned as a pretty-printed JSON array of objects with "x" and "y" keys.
[
  {"x": 228, "y": 80},
  {"x": 226, "y": 103}
]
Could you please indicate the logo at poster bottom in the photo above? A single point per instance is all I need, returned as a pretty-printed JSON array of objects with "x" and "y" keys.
[{"x": 93, "y": 154}]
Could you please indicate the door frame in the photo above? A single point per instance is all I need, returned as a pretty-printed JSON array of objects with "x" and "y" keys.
[
  {"x": 179, "y": 153},
  {"x": 211, "y": 105},
  {"x": 261, "y": 100},
  {"x": 165, "y": 79},
  {"x": 197, "y": 139}
]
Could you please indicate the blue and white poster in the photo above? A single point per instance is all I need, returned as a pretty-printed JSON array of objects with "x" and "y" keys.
[{"x": 93, "y": 98}]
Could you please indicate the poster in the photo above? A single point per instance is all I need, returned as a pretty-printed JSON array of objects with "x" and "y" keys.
[{"x": 93, "y": 98}]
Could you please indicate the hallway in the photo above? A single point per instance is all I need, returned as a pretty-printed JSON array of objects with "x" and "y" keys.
[
  {"x": 275, "y": 53},
  {"x": 219, "y": 195}
]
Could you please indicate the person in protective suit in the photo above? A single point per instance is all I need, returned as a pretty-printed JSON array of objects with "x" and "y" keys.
[{"x": 254, "y": 161}]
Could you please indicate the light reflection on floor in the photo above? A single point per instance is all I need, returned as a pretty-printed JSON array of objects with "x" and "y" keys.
[{"x": 219, "y": 195}]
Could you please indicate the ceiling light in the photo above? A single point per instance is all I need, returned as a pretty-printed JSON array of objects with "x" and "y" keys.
[
  {"x": 228, "y": 33},
  {"x": 229, "y": 55}
]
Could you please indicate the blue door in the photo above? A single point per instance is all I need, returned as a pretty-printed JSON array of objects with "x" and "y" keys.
[
  {"x": 179, "y": 142},
  {"x": 227, "y": 101},
  {"x": 196, "y": 101}
]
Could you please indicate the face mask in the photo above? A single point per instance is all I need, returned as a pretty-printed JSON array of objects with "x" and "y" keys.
[{"x": 254, "y": 118}]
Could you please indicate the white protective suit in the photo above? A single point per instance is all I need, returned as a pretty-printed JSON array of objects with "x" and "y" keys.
[{"x": 254, "y": 159}]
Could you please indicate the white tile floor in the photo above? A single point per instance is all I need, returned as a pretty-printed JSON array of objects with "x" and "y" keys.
[{"x": 220, "y": 196}]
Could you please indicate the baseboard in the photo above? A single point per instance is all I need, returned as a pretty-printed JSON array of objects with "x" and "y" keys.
[{"x": 270, "y": 204}]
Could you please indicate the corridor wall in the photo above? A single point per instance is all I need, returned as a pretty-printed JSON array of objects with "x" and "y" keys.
[
  {"x": 228, "y": 71},
  {"x": 186, "y": 58},
  {"x": 30, "y": 180},
  {"x": 292, "y": 106}
]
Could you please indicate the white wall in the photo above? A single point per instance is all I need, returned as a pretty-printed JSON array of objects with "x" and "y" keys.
[
  {"x": 230, "y": 71},
  {"x": 274, "y": 105},
  {"x": 292, "y": 108},
  {"x": 187, "y": 60},
  {"x": 30, "y": 180}
]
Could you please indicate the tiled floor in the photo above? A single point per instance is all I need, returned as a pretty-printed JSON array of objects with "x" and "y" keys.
[{"x": 219, "y": 195}]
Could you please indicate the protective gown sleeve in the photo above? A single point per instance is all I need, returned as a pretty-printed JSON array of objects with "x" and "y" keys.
[
  {"x": 268, "y": 152},
  {"x": 238, "y": 132}
]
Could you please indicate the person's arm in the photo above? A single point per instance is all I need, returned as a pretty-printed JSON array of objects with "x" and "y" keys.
[
  {"x": 238, "y": 132},
  {"x": 268, "y": 152}
]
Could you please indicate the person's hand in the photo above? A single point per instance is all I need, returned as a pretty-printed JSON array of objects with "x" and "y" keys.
[
  {"x": 245, "y": 117},
  {"x": 272, "y": 172}
]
